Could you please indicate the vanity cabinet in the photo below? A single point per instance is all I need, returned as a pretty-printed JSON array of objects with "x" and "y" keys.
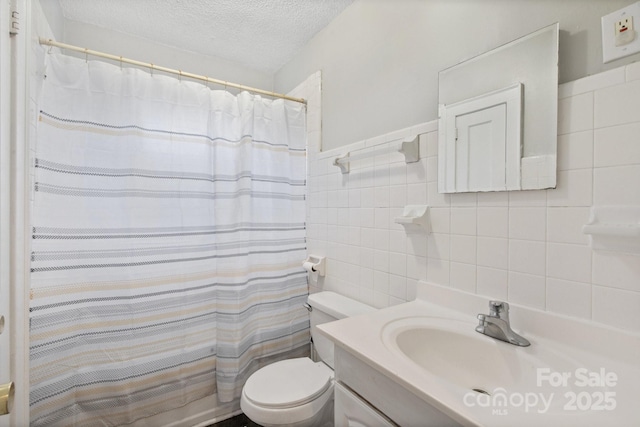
[
  {"x": 352, "y": 411},
  {"x": 382, "y": 396}
]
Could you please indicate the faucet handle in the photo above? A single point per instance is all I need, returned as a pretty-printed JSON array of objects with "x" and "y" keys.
[
  {"x": 496, "y": 308},
  {"x": 481, "y": 323}
]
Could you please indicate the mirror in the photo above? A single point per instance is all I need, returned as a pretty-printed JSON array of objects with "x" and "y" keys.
[{"x": 497, "y": 124}]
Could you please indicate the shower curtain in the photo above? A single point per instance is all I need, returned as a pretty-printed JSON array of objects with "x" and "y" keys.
[{"x": 168, "y": 236}]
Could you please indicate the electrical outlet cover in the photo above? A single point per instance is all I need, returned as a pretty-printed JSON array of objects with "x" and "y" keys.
[
  {"x": 619, "y": 37},
  {"x": 625, "y": 33}
]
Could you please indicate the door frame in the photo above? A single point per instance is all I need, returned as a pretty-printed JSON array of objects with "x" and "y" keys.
[{"x": 15, "y": 125}]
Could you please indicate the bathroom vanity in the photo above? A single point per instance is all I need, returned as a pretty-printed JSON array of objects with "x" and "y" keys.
[
  {"x": 423, "y": 363},
  {"x": 372, "y": 392}
]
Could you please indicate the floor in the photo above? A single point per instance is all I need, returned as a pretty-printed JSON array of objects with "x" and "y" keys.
[{"x": 237, "y": 421}]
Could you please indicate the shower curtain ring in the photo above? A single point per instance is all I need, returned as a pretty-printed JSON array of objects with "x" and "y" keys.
[
  {"x": 151, "y": 66},
  {"x": 86, "y": 56},
  {"x": 120, "y": 62}
]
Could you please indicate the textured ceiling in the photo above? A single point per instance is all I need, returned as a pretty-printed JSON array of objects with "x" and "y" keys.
[{"x": 260, "y": 34}]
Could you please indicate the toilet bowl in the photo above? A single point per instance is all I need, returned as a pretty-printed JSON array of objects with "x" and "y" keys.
[
  {"x": 295, "y": 392},
  {"x": 299, "y": 392}
]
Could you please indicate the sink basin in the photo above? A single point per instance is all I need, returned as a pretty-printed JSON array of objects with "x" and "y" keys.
[
  {"x": 421, "y": 361},
  {"x": 453, "y": 351}
]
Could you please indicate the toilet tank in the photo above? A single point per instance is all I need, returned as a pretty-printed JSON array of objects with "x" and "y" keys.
[{"x": 326, "y": 307}]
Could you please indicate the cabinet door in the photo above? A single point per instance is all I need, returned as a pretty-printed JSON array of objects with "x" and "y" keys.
[
  {"x": 479, "y": 143},
  {"x": 480, "y": 149},
  {"x": 352, "y": 411}
]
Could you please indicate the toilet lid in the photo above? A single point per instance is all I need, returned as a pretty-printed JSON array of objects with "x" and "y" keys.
[{"x": 288, "y": 383}]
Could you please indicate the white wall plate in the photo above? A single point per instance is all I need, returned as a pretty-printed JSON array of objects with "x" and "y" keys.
[{"x": 620, "y": 36}]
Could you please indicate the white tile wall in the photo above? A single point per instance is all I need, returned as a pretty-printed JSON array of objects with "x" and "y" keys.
[{"x": 526, "y": 247}]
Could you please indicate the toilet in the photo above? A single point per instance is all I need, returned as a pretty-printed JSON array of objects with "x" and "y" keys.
[{"x": 299, "y": 392}]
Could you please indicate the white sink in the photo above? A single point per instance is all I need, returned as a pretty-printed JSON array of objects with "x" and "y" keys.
[
  {"x": 453, "y": 351},
  {"x": 429, "y": 347}
]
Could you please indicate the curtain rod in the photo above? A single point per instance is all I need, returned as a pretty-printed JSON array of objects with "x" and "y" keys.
[{"x": 49, "y": 42}]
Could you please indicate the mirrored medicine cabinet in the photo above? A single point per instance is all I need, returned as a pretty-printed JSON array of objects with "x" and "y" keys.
[{"x": 497, "y": 125}]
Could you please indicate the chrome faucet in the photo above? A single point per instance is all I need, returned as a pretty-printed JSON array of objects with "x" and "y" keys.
[{"x": 496, "y": 324}]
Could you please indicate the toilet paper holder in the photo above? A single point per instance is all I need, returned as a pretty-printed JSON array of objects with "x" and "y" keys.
[{"x": 315, "y": 264}]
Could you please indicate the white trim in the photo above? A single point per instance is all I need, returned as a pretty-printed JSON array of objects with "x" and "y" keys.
[
  {"x": 591, "y": 83},
  {"x": 419, "y": 129},
  {"x": 6, "y": 374},
  {"x": 21, "y": 214}
]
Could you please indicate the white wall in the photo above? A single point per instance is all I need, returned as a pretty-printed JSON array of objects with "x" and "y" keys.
[
  {"x": 525, "y": 247},
  {"x": 105, "y": 40},
  {"x": 51, "y": 14},
  {"x": 380, "y": 59}
]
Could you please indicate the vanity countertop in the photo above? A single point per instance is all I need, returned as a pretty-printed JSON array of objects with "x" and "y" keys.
[{"x": 587, "y": 375}]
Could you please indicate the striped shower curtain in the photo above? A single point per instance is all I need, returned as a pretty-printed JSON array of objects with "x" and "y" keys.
[{"x": 168, "y": 235}]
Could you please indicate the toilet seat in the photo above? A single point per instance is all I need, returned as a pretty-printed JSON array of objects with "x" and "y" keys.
[{"x": 288, "y": 383}]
